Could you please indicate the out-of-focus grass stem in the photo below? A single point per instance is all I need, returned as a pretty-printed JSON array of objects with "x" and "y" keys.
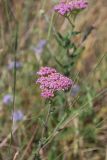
[
  {"x": 14, "y": 45},
  {"x": 43, "y": 5},
  {"x": 45, "y": 128},
  {"x": 50, "y": 26}
]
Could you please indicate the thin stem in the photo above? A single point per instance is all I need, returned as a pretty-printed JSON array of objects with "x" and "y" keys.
[
  {"x": 14, "y": 45},
  {"x": 47, "y": 118},
  {"x": 44, "y": 129},
  {"x": 50, "y": 26},
  {"x": 43, "y": 5},
  {"x": 72, "y": 25}
]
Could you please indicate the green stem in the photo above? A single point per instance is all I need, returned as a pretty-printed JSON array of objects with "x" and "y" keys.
[
  {"x": 50, "y": 26},
  {"x": 44, "y": 130},
  {"x": 47, "y": 118},
  {"x": 72, "y": 25}
]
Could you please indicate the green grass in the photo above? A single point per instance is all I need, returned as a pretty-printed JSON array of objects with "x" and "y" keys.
[{"x": 74, "y": 128}]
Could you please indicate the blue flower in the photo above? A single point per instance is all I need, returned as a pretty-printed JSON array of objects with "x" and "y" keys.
[
  {"x": 40, "y": 46},
  {"x": 75, "y": 90},
  {"x": 17, "y": 115},
  {"x": 7, "y": 99},
  {"x": 11, "y": 65}
]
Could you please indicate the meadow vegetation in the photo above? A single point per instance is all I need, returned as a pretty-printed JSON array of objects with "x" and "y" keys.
[{"x": 53, "y": 81}]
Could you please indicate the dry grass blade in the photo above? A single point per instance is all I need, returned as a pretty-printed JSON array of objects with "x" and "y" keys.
[{"x": 29, "y": 144}]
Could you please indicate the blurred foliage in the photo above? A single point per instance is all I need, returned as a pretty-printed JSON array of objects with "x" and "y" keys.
[{"x": 77, "y": 126}]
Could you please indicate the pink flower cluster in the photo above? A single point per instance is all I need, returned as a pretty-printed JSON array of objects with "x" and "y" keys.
[
  {"x": 51, "y": 81},
  {"x": 44, "y": 71},
  {"x": 66, "y": 7}
]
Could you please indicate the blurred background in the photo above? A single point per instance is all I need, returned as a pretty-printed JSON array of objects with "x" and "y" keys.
[{"x": 27, "y": 39}]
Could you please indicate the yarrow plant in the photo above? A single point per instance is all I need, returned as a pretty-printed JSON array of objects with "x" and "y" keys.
[
  {"x": 66, "y": 7},
  {"x": 51, "y": 81}
]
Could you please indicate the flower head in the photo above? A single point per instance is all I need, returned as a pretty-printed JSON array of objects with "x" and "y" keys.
[
  {"x": 40, "y": 46},
  {"x": 44, "y": 71},
  {"x": 75, "y": 90},
  {"x": 51, "y": 81},
  {"x": 11, "y": 65},
  {"x": 79, "y": 4},
  {"x": 46, "y": 93},
  {"x": 7, "y": 99},
  {"x": 17, "y": 115},
  {"x": 64, "y": 7}
]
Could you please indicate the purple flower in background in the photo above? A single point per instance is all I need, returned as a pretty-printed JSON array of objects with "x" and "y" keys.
[
  {"x": 7, "y": 99},
  {"x": 42, "y": 43},
  {"x": 40, "y": 46},
  {"x": 17, "y": 115},
  {"x": 11, "y": 65},
  {"x": 75, "y": 90},
  {"x": 80, "y": 4}
]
